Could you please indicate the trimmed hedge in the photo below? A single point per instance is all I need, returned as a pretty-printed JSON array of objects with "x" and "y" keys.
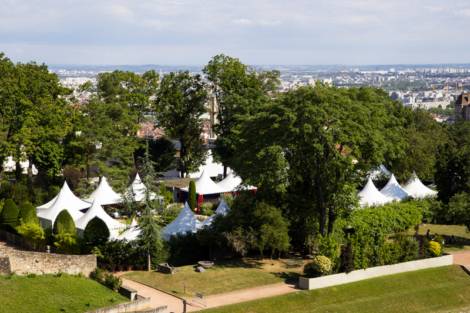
[{"x": 9, "y": 216}]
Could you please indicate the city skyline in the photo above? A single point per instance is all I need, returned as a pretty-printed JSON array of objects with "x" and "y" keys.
[{"x": 185, "y": 32}]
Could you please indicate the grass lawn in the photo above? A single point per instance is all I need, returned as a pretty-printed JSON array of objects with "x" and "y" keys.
[
  {"x": 51, "y": 294},
  {"x": 445, "y": 289},
  {"x": 446, "y": 230},
  {"x": 223, "y": 277}
]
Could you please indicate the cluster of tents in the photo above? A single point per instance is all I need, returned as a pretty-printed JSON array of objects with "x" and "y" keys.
[
  {"x": 393, "y": 191},
  {"x": 187, "y": 223},
  {"x": 83, "y": 211}
]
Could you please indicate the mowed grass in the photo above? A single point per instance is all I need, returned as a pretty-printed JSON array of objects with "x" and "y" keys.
[
  {"x": 445, "y": 230},
  {"x": 224, "y": 277},
  {"x": 444, "y": 289},
  {"x": 51, "y": 294}
]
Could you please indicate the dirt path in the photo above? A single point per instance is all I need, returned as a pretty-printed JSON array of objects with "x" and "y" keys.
[
  {"x": 462, "y": 258},
  {"x": 157, "y": 298},
  {"x": 241, "y": 296}
]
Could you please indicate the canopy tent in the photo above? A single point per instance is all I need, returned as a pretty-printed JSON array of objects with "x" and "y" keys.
[
  {"x": 371, "y": 196},
  {"x": 104, "y": 194},
  {"x": 9, "y": 165},
  {"x": 417, "y": 189},
  {"x": 138, "y": 190},
  {"x": 233, "y": 183},
  {"x": 222, "y": 210},
  {"x": 131, "y": 233},
  {"x": 393, "y": 190},
  {"x": 184, "y": 223},
  {"x": 65, "y": 200},
  {"x": 379, "y": 171},
  {"x": 205, "y": 185},
  {"x": 96, "y": 210},
  {"x": 212, "y": 168}
]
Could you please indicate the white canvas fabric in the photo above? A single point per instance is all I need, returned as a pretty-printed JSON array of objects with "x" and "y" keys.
[
  {"x": 222, "y": 210},
  {"x": 9, "y": 165},
  {"x": 65, "y": 200},
  {"x": 233, "y": 183},
  {"x": 96, "y": 210},
  {"x": 417, "y": 189},
  {"x": 184, "y": 223},
  {"x": 131, "y": 233},
  {"x": 104, "y": 194},
  {"x": 205, "y": 185},
  {"x": 393, "y": 190},
  {"x": 138, "y": 190},
  {"x": 212, "y": 168},
  {"x": 379, "y": 171},
  {"x": 371, "y": 196}
]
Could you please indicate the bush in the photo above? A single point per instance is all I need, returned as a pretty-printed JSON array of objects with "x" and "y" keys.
[
  {"x": 64, "y": 223},
  {"x": 169, "y": 214},
  {"x": 98, "y": 275},
  {"x": 10, "y": 213},
  {"x": 112, "y": 281},
  {"x": 434, "y": 248},
  {"x": 96, "y": 232},
  {"x": 192, "y": 200},
  {"x": 206, "y": 209},
  {"x": 120, "y": 255},
  {"x": 320, "y": 266},
  {"x": 32, "y": 232},
  {"x": 27, "y": 214},
  {"x": 66, "y": 243}
]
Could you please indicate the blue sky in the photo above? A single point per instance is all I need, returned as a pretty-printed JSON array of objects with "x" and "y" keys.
[{"x": 257, "y": 31}]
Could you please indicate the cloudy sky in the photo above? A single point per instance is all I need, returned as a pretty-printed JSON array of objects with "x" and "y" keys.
[{"x": 189, "y": 32}]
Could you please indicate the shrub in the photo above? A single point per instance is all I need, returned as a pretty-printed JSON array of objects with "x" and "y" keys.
[
  {"x": 206, "y": 209},
  {"x": 169, "y": 214},
  {"x": 320, "y": 266},
  {"x": 112, "y": 281},
  {"x": 32, "y": 232},
  {"x": 98, "y": 275},
  {"x": 9, "y": 217},
  {"x": 192, "y": 200},
  {"x": 64, "y": 223},
  {"x": 27, "y": 214},
  {"x": 434, "y": 248},
  {"x": 66, "y": 243},
  {"x": 96, "y": 232}
]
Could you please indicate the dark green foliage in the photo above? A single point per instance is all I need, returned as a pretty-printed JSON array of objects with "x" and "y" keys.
[
  {"x": 96, "y": 232},
  {"x": 28, "y": 213},
  {"x": 162, "y": 153},
  {"x": 459, "y": 209},
  {"x": 121, "y": 255},
  {"x": 64, "y": 224},
  {"x": 10, "y": 214},
  {"x": 320, "y": 266},
  {"x": 107, "y": 279},
  {"x": 192, "y": 198}
]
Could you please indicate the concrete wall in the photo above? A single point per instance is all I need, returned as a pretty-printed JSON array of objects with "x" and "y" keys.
[
  {"x": 343, "y": 278},
  {"x": 28, "y": 262},
  {"x": 137, "y": 305}
]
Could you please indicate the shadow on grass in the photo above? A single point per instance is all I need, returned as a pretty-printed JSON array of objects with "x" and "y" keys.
[{"x": 288, "y": 277}]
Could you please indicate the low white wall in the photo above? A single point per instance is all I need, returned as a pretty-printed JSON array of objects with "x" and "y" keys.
[{"x": 357, "y": 275}]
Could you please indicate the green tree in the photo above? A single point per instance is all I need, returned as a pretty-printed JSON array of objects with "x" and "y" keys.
[
  {"x": 192, "y": 198},
  {"x": 27, "y": 214},
  {"x": 180, "y": 103},
  {"x": 65, "y": 233},
  {"x": 274, "y": 230},
  {"x": 96, "y": 232},
  {"x": 9, "y": 216},
  {"x": 64, "y": 223},
  {"x": 32, "y": 232}
]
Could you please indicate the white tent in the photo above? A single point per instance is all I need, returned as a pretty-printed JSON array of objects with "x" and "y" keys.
[
  {"x": 96, "y": 210},
  {"x": 212, "y": 168},
  {"x": 131, "y": 233},
  {"x": 233, "y": 183},
  {"x": 104, "y": 194},
  {"x": 184, "y": 223},
  {"x": 379, "y": 171},
  {"x": 65, "y": 200},
  {"x": 222, "y": 210},
  {"x": 205, "y": 185},
  {"x": 9, "y": 165},
  {"x": 371, "y": 196},
  {"x": 393, "y": 190},
  {"x": 138, "y": 190},
  {"x": 417, "y": 189}
]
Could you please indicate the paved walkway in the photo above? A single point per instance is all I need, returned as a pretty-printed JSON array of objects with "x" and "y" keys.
[
  {"x": 461, "y": 257},
  {"x": 242, "y": 296}
]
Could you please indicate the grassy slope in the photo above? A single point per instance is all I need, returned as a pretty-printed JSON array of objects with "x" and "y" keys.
[
  {"x": 47, "y": 294},
  {"x": 448, "y": 230},
  {"x": 215, "y": 280},
  {"x": 434, "y": 290}
]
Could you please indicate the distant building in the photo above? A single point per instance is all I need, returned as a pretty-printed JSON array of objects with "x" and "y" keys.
[{"x": 462, "y": 106}]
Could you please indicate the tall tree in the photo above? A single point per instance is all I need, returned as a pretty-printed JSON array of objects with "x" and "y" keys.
[{"x": 180, "y": 103}]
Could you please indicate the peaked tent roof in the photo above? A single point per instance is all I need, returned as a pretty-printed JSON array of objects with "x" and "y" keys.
[
  {"x": 65, "y": 200},
  {"x": 138, "y": 189},
  {"x": 185, "y": 222},
  {"x": 233, "y": 183},
  {"x": 104, "y": 194},
  {"x": 214, "y": 169},
  {"x": 96, "y": 210},
  {"x": 417, "y": 189},
  {"x": 380, "y": 170},
  {"x": 370, "y": 195},
  {"x": 393, "y": 190},
  {"x": 222, "y": 209},
  {"x": 131, "y": 233},
  {"x": 205, "y": 185}
]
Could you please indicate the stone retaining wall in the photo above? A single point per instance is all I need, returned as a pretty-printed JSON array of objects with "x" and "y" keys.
[
  {"x": 137, "y": 305},
  {"x": 372, "y": 272}
]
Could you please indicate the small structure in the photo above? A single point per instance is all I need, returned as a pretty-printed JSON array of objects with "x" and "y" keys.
[
  {"x": 104, "y": 194},
  {"x": 138, "y": 190},
  {"x": 393, "y": 190},
  {"x": 184, "y": 223},
  {"x": 462, "y": 106},
  {"x": 9, "y": 165},
  {"x": 205, "y": 185},
  {"x": 233, "y": 183},
  {"x": 97, "y": 211},
  {"x": 416, "y": 189},
  {"x": 213, "y": 169},
  {"x": 65, "y": 200},
  {"x": 371, "y": 196}
]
